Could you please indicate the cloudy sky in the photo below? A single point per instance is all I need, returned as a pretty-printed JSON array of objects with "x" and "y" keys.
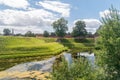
[{"x": 37, "y": 15}]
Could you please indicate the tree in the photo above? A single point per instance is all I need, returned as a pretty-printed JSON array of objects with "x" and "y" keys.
[
  {"x": 18, "y": 34},
  {"x": 97, "y": 31},
  {"x": 60, "y": 27},
  {"x": 29, "y": 34},
  {"x": 46, "y": 34},
  {"x": 68, "y": 33},
  {"x": 79, "y": 29},
  {"x": 110, "y": 39},
  {"x": 89, "y": 34},
  {"x": 52, "y": 34},
  {"x": 6, "y": 32}
]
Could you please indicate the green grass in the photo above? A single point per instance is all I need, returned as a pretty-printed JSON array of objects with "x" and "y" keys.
[
  {"x": 14, "y": 50},
  {"x": 79, "y": 45}
]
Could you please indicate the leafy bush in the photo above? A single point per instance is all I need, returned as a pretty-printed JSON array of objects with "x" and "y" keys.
[
  {"x": 110, "y": 44},
  {"x": 78, "y": 70}
]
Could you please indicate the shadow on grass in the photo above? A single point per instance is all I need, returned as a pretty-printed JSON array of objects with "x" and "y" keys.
[
  {"x": 88, "y": 45},
  {"x": 78, "y": 45},
  {"x": 67, "y": 43},
  {"x": 86, "y": 42},
  {"x": 83, "y": 40}
]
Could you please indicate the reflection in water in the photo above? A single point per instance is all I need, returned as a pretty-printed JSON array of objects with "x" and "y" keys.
[
  {"x": 68, "y": 58},
  {"x": 90, "y": 57},
  {"x": 44, "y": 66}
]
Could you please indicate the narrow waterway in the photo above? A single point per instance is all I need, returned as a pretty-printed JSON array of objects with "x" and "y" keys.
[
  {"x": 28, "y": 70},
  {"x": 44, "y": 65},
  {"x": 89, "y": 56}
]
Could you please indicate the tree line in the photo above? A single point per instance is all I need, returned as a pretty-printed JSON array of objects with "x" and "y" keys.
[{"x": 60, "y": 28}]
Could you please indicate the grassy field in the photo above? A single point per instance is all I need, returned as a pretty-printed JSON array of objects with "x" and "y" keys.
[{"x": 15, "y": 50}]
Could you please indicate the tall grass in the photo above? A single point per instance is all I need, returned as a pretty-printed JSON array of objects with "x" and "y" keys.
[
  {"x": 78, "y": 70},
  {"x": 14, "y": 50}
]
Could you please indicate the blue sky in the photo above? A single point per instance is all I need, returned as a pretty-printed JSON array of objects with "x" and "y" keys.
[
  {"x": 90, "y": 8},
  {"x": 38, "y": 15}
]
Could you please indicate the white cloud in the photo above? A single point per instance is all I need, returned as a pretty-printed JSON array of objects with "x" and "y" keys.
[
  {"x": 56, "y": 6},
  {"x": 23, "y": 30},
  {"x": 91, "y": 24},
  {"x": 38, "y": 17},
  {"x": 31, "y": 18},
  {"x": 15, "y": 3},
  {"x": 35, "y": 20},
  {"x": 104, "y": 13}
]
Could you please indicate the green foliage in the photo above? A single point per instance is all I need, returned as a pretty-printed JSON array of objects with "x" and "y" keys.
[
  {"x": 98, "y": 43},
  {"x": 98, "y": 31},
  {"x": 79, "y": 29},
  {"x": 79, "y": 70},
  {"x": 46, "y": 34},
  {"x": 60, "y": 27},
  {"x": 52, "y": 34},
  {"x": 78, "y": 45},
  {"x": 26, "y": 49},
  {"x": 110, "y": 39},
  {"x": 29, "y": 34},
  {"x": 15, "y": 50},
  {"x": 6, "y": 32}
]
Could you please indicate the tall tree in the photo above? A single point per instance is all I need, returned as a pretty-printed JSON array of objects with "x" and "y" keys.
[
  {"x": 46, "y": 34},
  {"x": 79, "y": 29},
  {"x": 60, "y": 27},
  {"x": 110, "y": 39},
  {"x": 6, "y": 32}
]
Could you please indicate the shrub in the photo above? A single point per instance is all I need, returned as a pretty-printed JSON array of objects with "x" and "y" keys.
[{"x": 78, "y": 70}]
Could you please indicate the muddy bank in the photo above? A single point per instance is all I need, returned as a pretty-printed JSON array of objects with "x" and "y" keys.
[{"x": 28, "y": 75}]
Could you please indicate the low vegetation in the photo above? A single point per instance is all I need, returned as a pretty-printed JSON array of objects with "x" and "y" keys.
[
  {"x": 14, "y": 50},
  {"x": 79, "y": 45},
  {"x": 80, "y": 69}
]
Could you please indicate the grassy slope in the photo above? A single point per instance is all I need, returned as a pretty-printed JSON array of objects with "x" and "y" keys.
[
  {"x": 14, "y": 50},
  {"x": 77, "y": 45}
]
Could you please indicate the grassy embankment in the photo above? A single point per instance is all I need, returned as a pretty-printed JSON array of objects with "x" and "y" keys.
[
  {"x": 79, "y": 45},
  {"x": 15, "y": 50}
]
